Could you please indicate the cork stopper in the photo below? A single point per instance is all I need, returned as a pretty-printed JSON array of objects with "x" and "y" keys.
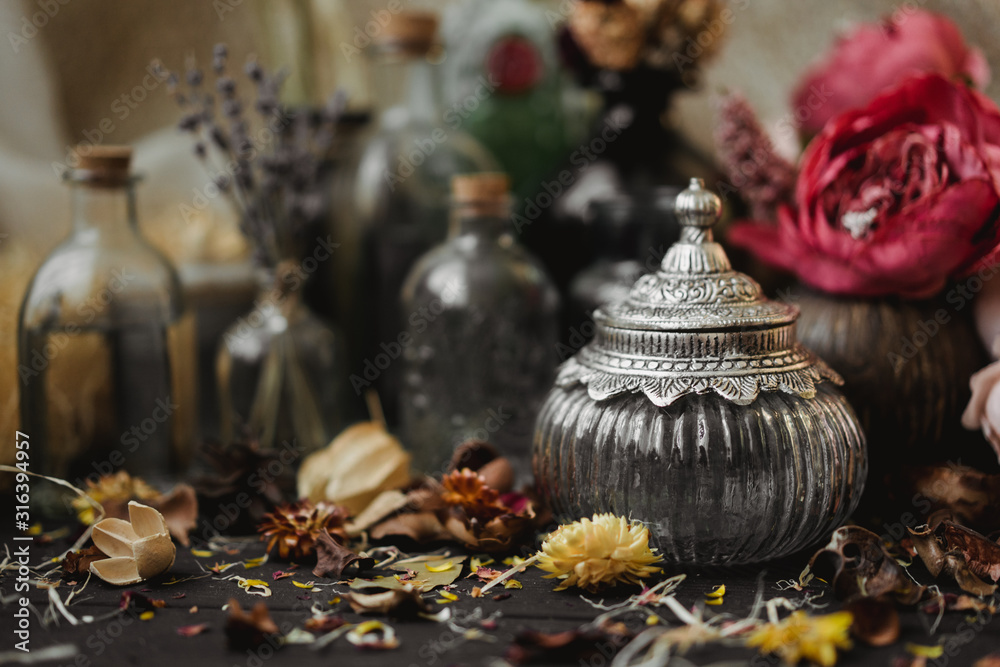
[
  {"x": 410, "y": 33},
  {"x": 485, "y": 187},
  {"x": 103, "y": 165}
]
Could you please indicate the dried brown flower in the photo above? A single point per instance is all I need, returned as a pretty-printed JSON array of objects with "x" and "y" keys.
[
  {"x": 293, "y": 530},
  {"x": 235, "y": 471},
  {"x": 78, "y": 562},
  {"x": 468, "y": 490},
  {"x": 114, "y": 492},
  {"x": 611, "y": 35},
  {"x": 660, "y": 34}
]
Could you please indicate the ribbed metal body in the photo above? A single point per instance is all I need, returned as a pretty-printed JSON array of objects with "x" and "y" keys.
[{"x": 717, "y": 482}]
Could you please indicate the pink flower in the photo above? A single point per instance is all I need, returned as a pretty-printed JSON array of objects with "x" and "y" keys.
[
  {"x": 893, "y": 199},
  {"x": 983, "y": 410},
  {"x": 874, "y": 57}
]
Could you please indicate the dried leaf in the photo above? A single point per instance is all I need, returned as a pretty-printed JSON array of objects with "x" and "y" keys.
[
  {"x": 972, "y": 495},
  {"x": 180, "y": 510},
  {"x": 857, "y": 564},
  {"x": 875, "y": 622},
  {"x": 333, "y": 557},
  {"x": 981, "y": 554},
  {"x": 248, "y": 631},
  {"x": 424, "y": 579},
  {"x": 953, "y": 602},
  {"x": 952, "y": 562},
  {"x": 404, "y": 603},
  {"x": 360, "y": 463},
  {"x": 503, "y": 533},
  {"x": 386, "y": 503},
  {"x": 78, "y": 562},
  {"x": 418, "y": 526}
]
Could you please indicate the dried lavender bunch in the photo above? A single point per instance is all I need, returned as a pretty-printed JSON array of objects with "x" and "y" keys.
[
  {"x": 272, "y": 164},
  {"x": 756, "y": 172}
]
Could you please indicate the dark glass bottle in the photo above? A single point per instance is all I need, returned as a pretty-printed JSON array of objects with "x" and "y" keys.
[
  {"x": 106, "y": 350},
  {"x": 482, "y": 329}
]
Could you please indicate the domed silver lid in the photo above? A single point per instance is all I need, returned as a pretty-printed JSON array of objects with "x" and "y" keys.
[{"x": 696, "y": 326}]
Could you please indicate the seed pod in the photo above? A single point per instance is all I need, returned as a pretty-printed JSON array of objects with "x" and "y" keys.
[{"x": 139, "y": 548}]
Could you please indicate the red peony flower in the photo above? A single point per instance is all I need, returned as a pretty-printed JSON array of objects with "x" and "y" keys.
[
  {"x": 895, "y": 198},
  {"x": 874, "y": 57}
]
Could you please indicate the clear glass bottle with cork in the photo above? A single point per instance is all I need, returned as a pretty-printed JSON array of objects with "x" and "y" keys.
[
  {"x": 106, "y": 353},
  {"x": 482, "y": 319},
  {"x": 401, "y": 191}
]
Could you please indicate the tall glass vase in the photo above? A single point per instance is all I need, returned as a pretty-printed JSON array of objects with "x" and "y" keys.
[{"x": 281, "y": 369}]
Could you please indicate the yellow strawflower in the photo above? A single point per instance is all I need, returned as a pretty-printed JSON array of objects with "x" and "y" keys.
[
  {"x": 590, "y": 553},
  {"x": 804, "y": 637}
]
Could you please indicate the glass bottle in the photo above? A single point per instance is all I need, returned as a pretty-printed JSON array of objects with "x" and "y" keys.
[
  {"x": 502, "y": 82},
  {"x": 280, "y": 368},
  {"x": 479, "y": 349},
  {"x": 401, "y": 191},
  {"x": 630, "y": 235},
  {"x": 106, "y": 352}
]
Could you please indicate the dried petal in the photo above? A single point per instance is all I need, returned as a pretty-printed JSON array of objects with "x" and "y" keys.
[
  {"x": 192, "y": 630},
  {"x": 404, "y": 603}
]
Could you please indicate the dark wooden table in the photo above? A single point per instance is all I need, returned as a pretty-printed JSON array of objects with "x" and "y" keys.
[{"x": 125, "y": 639}]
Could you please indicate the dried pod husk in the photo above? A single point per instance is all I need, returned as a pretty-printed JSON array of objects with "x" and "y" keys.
[
  {"x": 360, "y": 463},
  {"x": 138, "y": 549}
]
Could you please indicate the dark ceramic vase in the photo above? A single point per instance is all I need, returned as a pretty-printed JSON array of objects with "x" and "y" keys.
[{"x": 906, "y": 366}]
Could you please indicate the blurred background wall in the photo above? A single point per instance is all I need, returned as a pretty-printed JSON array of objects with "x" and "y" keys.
[{"x": 83, "y": 70}]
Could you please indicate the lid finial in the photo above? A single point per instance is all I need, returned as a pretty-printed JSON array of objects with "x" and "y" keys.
[{"x": 697, "y": 210}]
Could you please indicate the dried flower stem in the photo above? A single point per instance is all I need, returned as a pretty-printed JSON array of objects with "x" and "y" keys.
[{"x": 511, "y": 572}]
